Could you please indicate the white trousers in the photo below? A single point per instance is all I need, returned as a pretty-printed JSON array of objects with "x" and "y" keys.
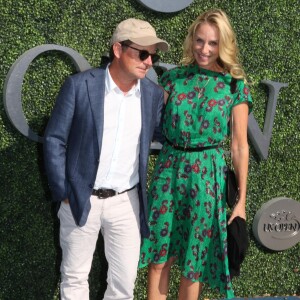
[{"x": 118, "y": 219}]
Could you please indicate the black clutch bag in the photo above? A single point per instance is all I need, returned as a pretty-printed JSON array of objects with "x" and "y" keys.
[
  {"x": 238, "y": 243},
  {"x": 232, "y": 188}
]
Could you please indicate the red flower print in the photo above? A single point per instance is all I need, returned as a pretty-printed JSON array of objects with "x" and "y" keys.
[
  {"x": 163, "y": 209},
  {"x": 162, "y": 252},
  {"x": 246, "y": 91},
  {"x": 168, "y": 164},
  {"x": 181, "y": 96},
  {"x": 212, "y": 103},
  {"x": 196, "y": 168}
]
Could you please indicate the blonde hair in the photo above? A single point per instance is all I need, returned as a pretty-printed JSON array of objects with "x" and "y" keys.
[{"x": 228, "y": 49}]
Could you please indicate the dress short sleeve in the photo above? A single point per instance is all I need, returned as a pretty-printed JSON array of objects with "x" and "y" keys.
[
  {"x": 167, "y": 80},
  {"x": 242, "y": 94}
]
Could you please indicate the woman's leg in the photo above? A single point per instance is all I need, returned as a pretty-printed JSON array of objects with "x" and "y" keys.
[
  {"x": 189, "y": 290},
  {"x": 158, "y": 280}
]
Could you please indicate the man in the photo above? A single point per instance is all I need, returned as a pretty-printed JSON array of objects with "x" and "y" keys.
[{"x": 96, "y": 148}]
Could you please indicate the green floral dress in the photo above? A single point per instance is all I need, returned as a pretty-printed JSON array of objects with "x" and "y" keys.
[{"x": 187, "y": 201}]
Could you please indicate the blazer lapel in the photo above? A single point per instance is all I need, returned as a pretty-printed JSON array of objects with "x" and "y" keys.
[{"x": 96, "y": 91}]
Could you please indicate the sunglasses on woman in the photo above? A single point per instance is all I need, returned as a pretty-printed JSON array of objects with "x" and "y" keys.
[{"x": 144, "y": 54}]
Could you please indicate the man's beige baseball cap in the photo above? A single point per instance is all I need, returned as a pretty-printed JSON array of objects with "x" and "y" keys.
[{"x": 139, "y": 32}]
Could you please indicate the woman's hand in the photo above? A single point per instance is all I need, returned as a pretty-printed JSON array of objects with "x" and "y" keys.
[{"x": 238, "y": 211}]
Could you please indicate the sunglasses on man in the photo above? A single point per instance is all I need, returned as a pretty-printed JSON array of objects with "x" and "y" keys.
[{"x": 144, "y": 54}]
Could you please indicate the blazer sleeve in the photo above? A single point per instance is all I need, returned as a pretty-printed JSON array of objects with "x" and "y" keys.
[{"x": 56, "y": 140}]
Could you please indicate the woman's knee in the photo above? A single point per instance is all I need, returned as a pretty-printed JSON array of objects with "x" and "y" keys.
[{"x": 163, "y": 266}]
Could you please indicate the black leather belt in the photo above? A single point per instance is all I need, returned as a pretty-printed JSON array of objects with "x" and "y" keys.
[
  {"x": 189, "y": 149},
  {"x": 106, "y": 193}
]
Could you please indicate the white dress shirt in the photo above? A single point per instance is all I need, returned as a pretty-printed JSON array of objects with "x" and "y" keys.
[{"x": 119, "y": 159}]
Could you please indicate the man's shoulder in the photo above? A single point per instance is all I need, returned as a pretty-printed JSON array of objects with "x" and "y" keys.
[
  {"x": 90, "y": 73},
  {"x": 148, "y": 87},
  {"x": 148, "y": 82}
]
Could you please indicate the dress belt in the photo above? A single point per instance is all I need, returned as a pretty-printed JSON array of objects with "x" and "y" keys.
[
  {"x": 106, "y": 193},
  {"x": 189, "y": 149}
]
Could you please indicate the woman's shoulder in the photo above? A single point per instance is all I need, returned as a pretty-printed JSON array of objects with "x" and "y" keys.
[{"x": 178, "y": 72}]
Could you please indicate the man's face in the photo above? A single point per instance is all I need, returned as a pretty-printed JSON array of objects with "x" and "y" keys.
[{"x": 131, "y": 60}]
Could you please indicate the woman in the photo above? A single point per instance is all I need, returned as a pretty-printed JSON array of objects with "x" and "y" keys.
[{"x": 206, "y": 100}]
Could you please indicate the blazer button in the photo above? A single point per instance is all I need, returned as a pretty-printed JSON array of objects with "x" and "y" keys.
[{"x": 90, "y": 186}]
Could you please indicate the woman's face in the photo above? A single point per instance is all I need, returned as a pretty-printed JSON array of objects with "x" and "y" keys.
[{"x": 206, "y": 46}]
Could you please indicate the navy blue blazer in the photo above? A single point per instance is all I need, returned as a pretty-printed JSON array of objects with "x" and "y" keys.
[{"x": 73, "y": 139}]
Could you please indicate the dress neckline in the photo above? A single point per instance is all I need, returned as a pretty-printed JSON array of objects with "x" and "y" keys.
[{"x": 207, "y": 71}]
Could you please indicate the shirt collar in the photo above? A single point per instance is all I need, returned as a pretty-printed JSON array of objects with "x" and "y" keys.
[{"x": 110, "y": 85}]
